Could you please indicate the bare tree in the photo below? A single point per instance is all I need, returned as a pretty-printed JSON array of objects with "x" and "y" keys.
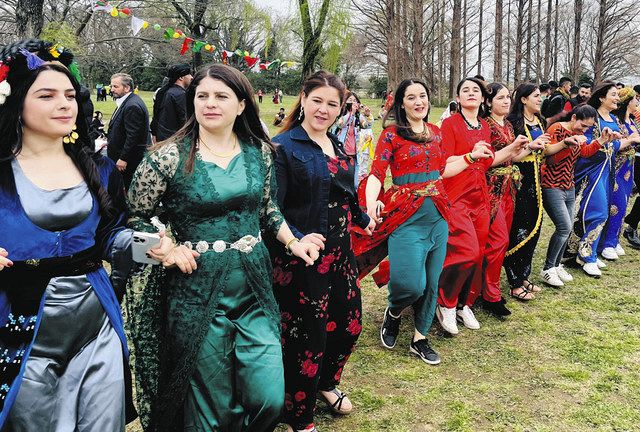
[
  {"x": 454, "y": 64},
  {"x": 497, "y": 46}
]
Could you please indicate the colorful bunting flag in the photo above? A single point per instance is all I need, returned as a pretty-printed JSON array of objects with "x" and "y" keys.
[{"x": 138, "y": 24}]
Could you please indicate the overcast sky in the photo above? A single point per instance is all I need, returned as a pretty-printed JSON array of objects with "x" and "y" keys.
[{"x": 279, "y": 6}]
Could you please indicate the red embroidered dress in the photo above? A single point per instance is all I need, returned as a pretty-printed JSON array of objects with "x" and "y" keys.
[
  {"x": 502, "y": 181},
  {"x": 416, "y": 170},
  {"x": 469, "y": 220}
]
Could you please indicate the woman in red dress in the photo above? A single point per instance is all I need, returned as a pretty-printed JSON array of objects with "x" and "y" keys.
[
  {"x": 412, "y": 228},
  {"x": 503, "y": 179},
  {"x": 461, "y": 278}
]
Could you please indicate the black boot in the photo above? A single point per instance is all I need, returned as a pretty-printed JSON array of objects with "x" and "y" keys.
[
  {"x": 632, "y": 237},
  {"x": 497, "y": 308}
]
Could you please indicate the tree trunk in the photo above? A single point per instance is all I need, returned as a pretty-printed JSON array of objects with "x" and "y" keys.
[
  {"x": 602, "y": 26},
  {"x": 464, "y": 39},
  {"x": 517, "y": 69},
  {"x": 311, "y": 37},
  {"x": 508, "y": 41},
  {"x": 547, "y": 43},
  {"x": 575, "y": 69},
  {"x": 480, "y": 38},
  {"x": 538, "y": 65},
  {"x": 417, "y": 14},
  {"x": 555, "y": 42},
  {"x": 29, "y": 18},
  {"x": 527, "y": 73},
  {"x": 454, "y": 64},
  {"x": 497, "y": 47}
]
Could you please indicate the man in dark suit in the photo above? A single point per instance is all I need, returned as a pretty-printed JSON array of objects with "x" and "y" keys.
[
  {"x": 170, "y": 106},
  {"x": 128, "y": 135}
]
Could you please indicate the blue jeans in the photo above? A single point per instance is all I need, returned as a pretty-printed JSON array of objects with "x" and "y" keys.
[{"x": 559, "y": 205}]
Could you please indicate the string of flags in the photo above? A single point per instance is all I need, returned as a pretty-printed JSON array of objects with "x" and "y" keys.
[{"x": 138, "y": 24}]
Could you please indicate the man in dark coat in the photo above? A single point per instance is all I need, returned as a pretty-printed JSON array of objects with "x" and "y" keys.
[
  {"x": 128, "y": 135},
  {"x": 170, "y": 106}
]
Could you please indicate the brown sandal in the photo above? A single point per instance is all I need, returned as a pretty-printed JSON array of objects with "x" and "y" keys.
[
  {"x": 530, "y": 287},
  {"x": 524, "y": 295}
]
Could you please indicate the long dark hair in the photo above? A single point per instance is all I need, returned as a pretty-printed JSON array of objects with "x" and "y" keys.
[
  {"x": 493, "y": 90},
  {"x": 516, "y": 116},
  {"x": 399, "y": 116},
  {"x": 600, "y": 92},
  {"x": 21, "y": 78},
  {"x": 483, "y": 89},
  {"x": 247, "y": 125},
  {"x": 316, "y": 80}
]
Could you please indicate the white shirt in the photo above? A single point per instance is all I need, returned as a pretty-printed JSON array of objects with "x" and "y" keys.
[{"x": 119, "y": 101}]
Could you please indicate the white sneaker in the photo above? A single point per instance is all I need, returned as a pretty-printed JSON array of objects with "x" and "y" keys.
[
  {"x": 563, "y": 274},
  {"x": 550, "y": 277},
  {"x": 610, "y": 254},
  {"x": 447, "y": 318},
  {"x": 600, "y": 263},
  {"x": 592, "y": 269},
  {"x": 468, "y": 319},
  {"x": 619, "y": 250}
]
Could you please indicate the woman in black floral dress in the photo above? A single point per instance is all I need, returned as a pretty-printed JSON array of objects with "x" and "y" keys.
[{"x": 320, "y": 305}]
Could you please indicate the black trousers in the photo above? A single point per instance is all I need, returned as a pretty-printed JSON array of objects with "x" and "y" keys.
[{"x": 633, "y": 218}]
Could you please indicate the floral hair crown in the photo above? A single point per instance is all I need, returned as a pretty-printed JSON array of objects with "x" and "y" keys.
[{"x": 19, "y": 57}]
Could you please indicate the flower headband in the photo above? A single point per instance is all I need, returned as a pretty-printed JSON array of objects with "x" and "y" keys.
[{"x": 33, "y": 61}]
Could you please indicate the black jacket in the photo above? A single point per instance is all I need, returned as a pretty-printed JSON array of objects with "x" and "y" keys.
[
  {"x": 171, "y": 113},
  {"x": 304, "y": 182},
  {"x": 128, "y": 135}
]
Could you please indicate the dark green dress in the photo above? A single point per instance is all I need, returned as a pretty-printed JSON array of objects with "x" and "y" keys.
[{"x": 177, "y": 320}]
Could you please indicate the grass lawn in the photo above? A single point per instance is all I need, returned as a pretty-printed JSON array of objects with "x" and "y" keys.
[{"x": 567, "y": 361}]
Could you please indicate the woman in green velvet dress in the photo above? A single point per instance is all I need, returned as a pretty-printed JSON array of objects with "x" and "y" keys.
[{"x": 206, "y": 335}]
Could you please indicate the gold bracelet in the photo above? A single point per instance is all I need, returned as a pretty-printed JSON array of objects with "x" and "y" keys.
[{"x": 287, "y": 247}]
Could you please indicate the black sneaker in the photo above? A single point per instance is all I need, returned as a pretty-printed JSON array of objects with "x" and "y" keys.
[
  {"x": 423, "y": 350},
  {"x": 496, "y": 308},
  {"x": 632, "y": 237},
  {"x": 389, "y": 330}
]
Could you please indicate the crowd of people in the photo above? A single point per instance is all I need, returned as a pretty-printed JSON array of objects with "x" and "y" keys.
[{"x": 249, "y": 311}]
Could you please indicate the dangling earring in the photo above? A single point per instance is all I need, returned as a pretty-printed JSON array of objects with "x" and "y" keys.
[
  {"x": 301, "y": 113},
  {"x": 72, "y": 137}
]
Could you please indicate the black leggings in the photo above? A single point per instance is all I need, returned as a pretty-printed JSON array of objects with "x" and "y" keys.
[{"x": 633, "y": 218}]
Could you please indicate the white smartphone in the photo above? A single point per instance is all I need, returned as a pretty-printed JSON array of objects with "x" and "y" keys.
[{"x": 142, "y": 242}]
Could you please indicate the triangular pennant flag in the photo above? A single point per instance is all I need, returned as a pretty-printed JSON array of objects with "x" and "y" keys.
[
  {"x": 239, "y": 52},
  {"x": 264, "y": 66},
  {"x": 185, "y": 45},
  {"x": 168, "y": 33},
  {"x": 136, "y": 25},
  {"x": 251, "y": 61},
  {"x": 197, "y": 46},
  {"x": 227, "y": 54}
]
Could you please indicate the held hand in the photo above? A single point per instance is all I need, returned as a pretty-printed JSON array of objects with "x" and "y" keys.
[
  {"x": 375, "y": 211},
  {"x": 372, "y": 226},
  {"x": 482, "y": 150},
  {"x": 314, "y": 238},
  {"x": 121, "y": 165},
  {"x": 183, "y": 258},
  {"x": 570, "y": 142},
  {"x": 616, "y": 136},
  {"x": 162, "y": 250},
  {"x": 540, "y": 142},
  {"x": 581, "y": 139},
  {"x": 308, "y": 252},
  {"x": 4, "y": 259},
  {"x": 520, "y": 142},
  {"x": 605, "y": 135}
]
